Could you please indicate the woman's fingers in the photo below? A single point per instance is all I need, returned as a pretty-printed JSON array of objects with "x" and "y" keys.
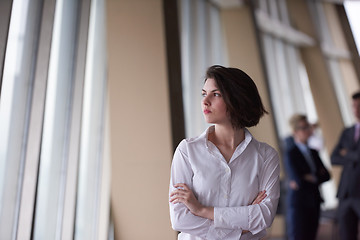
[
  {"x": 176, "y": 196},
  {"x": 180, "y": 190},
  {"x": 259, "y": 198},
  {"x": 181, "y": 194},
  {"x": 176, "y": 199},
  {"x": 182, "y": 186}
]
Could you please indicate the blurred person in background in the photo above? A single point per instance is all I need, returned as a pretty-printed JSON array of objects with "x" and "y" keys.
[
  {"x": 224, "y": 183},
  {"x": 305, "y": 172},
  {"x": 347, "y": 154}
]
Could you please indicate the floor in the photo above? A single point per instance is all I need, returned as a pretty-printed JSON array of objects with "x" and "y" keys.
[{"x": 327, "y": 230}]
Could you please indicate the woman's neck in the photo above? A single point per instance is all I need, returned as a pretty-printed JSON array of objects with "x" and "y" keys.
[{"x": 226, "y": 135}]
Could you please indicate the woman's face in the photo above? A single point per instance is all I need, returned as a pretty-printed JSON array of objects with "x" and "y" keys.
[{"x": 213, "y": 104}]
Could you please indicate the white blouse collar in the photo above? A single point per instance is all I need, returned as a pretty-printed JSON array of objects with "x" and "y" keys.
[{"x": 215, "y": 151}]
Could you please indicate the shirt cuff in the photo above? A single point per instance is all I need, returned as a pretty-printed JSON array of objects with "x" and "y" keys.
[
  {"x": 231, "y": 218},
  {"x": 216, "y": 233},
  {"x": 254, "y": 218}
]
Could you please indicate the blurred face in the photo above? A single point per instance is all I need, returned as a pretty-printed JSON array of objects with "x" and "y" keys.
[
  {"x": 303, "y": 131},
  {"x": 356, "y": 108},
  {"x": 213, "y": 104}
]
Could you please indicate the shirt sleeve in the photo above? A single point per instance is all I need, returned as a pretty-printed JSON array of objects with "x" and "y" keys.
[
  {"x": 293, "y": 171},
  {"x": 352, "y": 152},
  {"x": 182, "y": 219},
  {"x": 258, "y": 217},
  {"x": 322, "y": 174}
]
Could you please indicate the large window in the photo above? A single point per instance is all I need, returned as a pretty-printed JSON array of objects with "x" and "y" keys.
[
  {"x": 352, "y": 10},
  {"x": 54, "y": 164},
  {"x": 288, "y": 80},
  {"x": 202, "y": 45}
]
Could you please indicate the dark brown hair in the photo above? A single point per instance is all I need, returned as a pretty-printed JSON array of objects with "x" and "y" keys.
[{"x": 240, "y": 94}]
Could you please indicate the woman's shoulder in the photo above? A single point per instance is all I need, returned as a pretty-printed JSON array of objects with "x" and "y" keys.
[
  {"x": 264, "y": 149},
  {"x": 190, "y": 142}
]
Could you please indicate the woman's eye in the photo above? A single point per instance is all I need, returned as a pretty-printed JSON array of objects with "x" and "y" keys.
[
  {"x": 203, "y": 94},
  {"x": 217, "y": 94}
]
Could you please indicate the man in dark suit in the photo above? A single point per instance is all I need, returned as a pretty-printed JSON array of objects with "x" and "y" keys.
[
  {"x": 305, "y": 172},
  {"x": 347, "y": 154}
]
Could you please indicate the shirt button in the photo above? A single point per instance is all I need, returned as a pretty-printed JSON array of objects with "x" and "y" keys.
[
  {"x": 225, "y": 196},
  {"x": 227, "y": 170}
]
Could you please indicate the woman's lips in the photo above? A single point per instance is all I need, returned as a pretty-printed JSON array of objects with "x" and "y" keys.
[{"x": 206, "y": 111}]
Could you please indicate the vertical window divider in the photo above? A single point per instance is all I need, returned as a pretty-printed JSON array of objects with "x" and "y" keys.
[
  {"x": 32, "y": 155},
  {"x": 75, "y": 121},
  {"x": 5, "y": 13}
]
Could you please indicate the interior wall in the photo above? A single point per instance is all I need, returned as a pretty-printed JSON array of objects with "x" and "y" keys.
[
  {"x": 141, "y": 149},
  {"x": 243, "y": 53}
]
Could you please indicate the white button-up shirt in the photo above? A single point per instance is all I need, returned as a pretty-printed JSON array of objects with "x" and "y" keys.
[{"x": 228, "y": 187}]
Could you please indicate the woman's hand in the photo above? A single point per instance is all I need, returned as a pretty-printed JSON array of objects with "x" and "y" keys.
[
  {"x": 183, "y": 194},
  {"x": 261, "y": 196}
]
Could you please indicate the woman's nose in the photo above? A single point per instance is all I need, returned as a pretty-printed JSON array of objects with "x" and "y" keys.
[{"x": 206, "y": 101}]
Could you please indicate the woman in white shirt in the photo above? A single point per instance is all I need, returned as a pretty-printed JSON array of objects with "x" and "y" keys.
[{"x": 224, "y": 183}]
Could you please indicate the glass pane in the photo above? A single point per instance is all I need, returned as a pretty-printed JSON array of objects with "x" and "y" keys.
[
  {"x": 352, "y": 10},
  {"x": 92, "y": 133},
  {"x": 14, "y": 109},
  {"x": 54, "y": 150}
]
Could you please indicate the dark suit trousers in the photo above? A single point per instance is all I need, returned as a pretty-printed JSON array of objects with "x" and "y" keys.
[
  {"x": 302, "y": 222},
  {"x": 349, "y": 216}
]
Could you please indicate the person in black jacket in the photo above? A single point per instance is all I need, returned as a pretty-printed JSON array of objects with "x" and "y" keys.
[
  {"x": 347, "y": 154},
  {"x": 305, "y": 172}
]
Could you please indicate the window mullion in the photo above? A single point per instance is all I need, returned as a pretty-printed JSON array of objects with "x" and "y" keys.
[
  {"x": 5, "y": 12},
  {"x": 36, "y": 122},
  {"x": 75, "y": 122}
]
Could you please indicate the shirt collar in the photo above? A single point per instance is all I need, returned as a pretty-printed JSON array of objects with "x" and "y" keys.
[
  {"x": 239, "y": 149},
  {"x": 243, "y": 145},
  {"x": 303, "y": 147}
]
